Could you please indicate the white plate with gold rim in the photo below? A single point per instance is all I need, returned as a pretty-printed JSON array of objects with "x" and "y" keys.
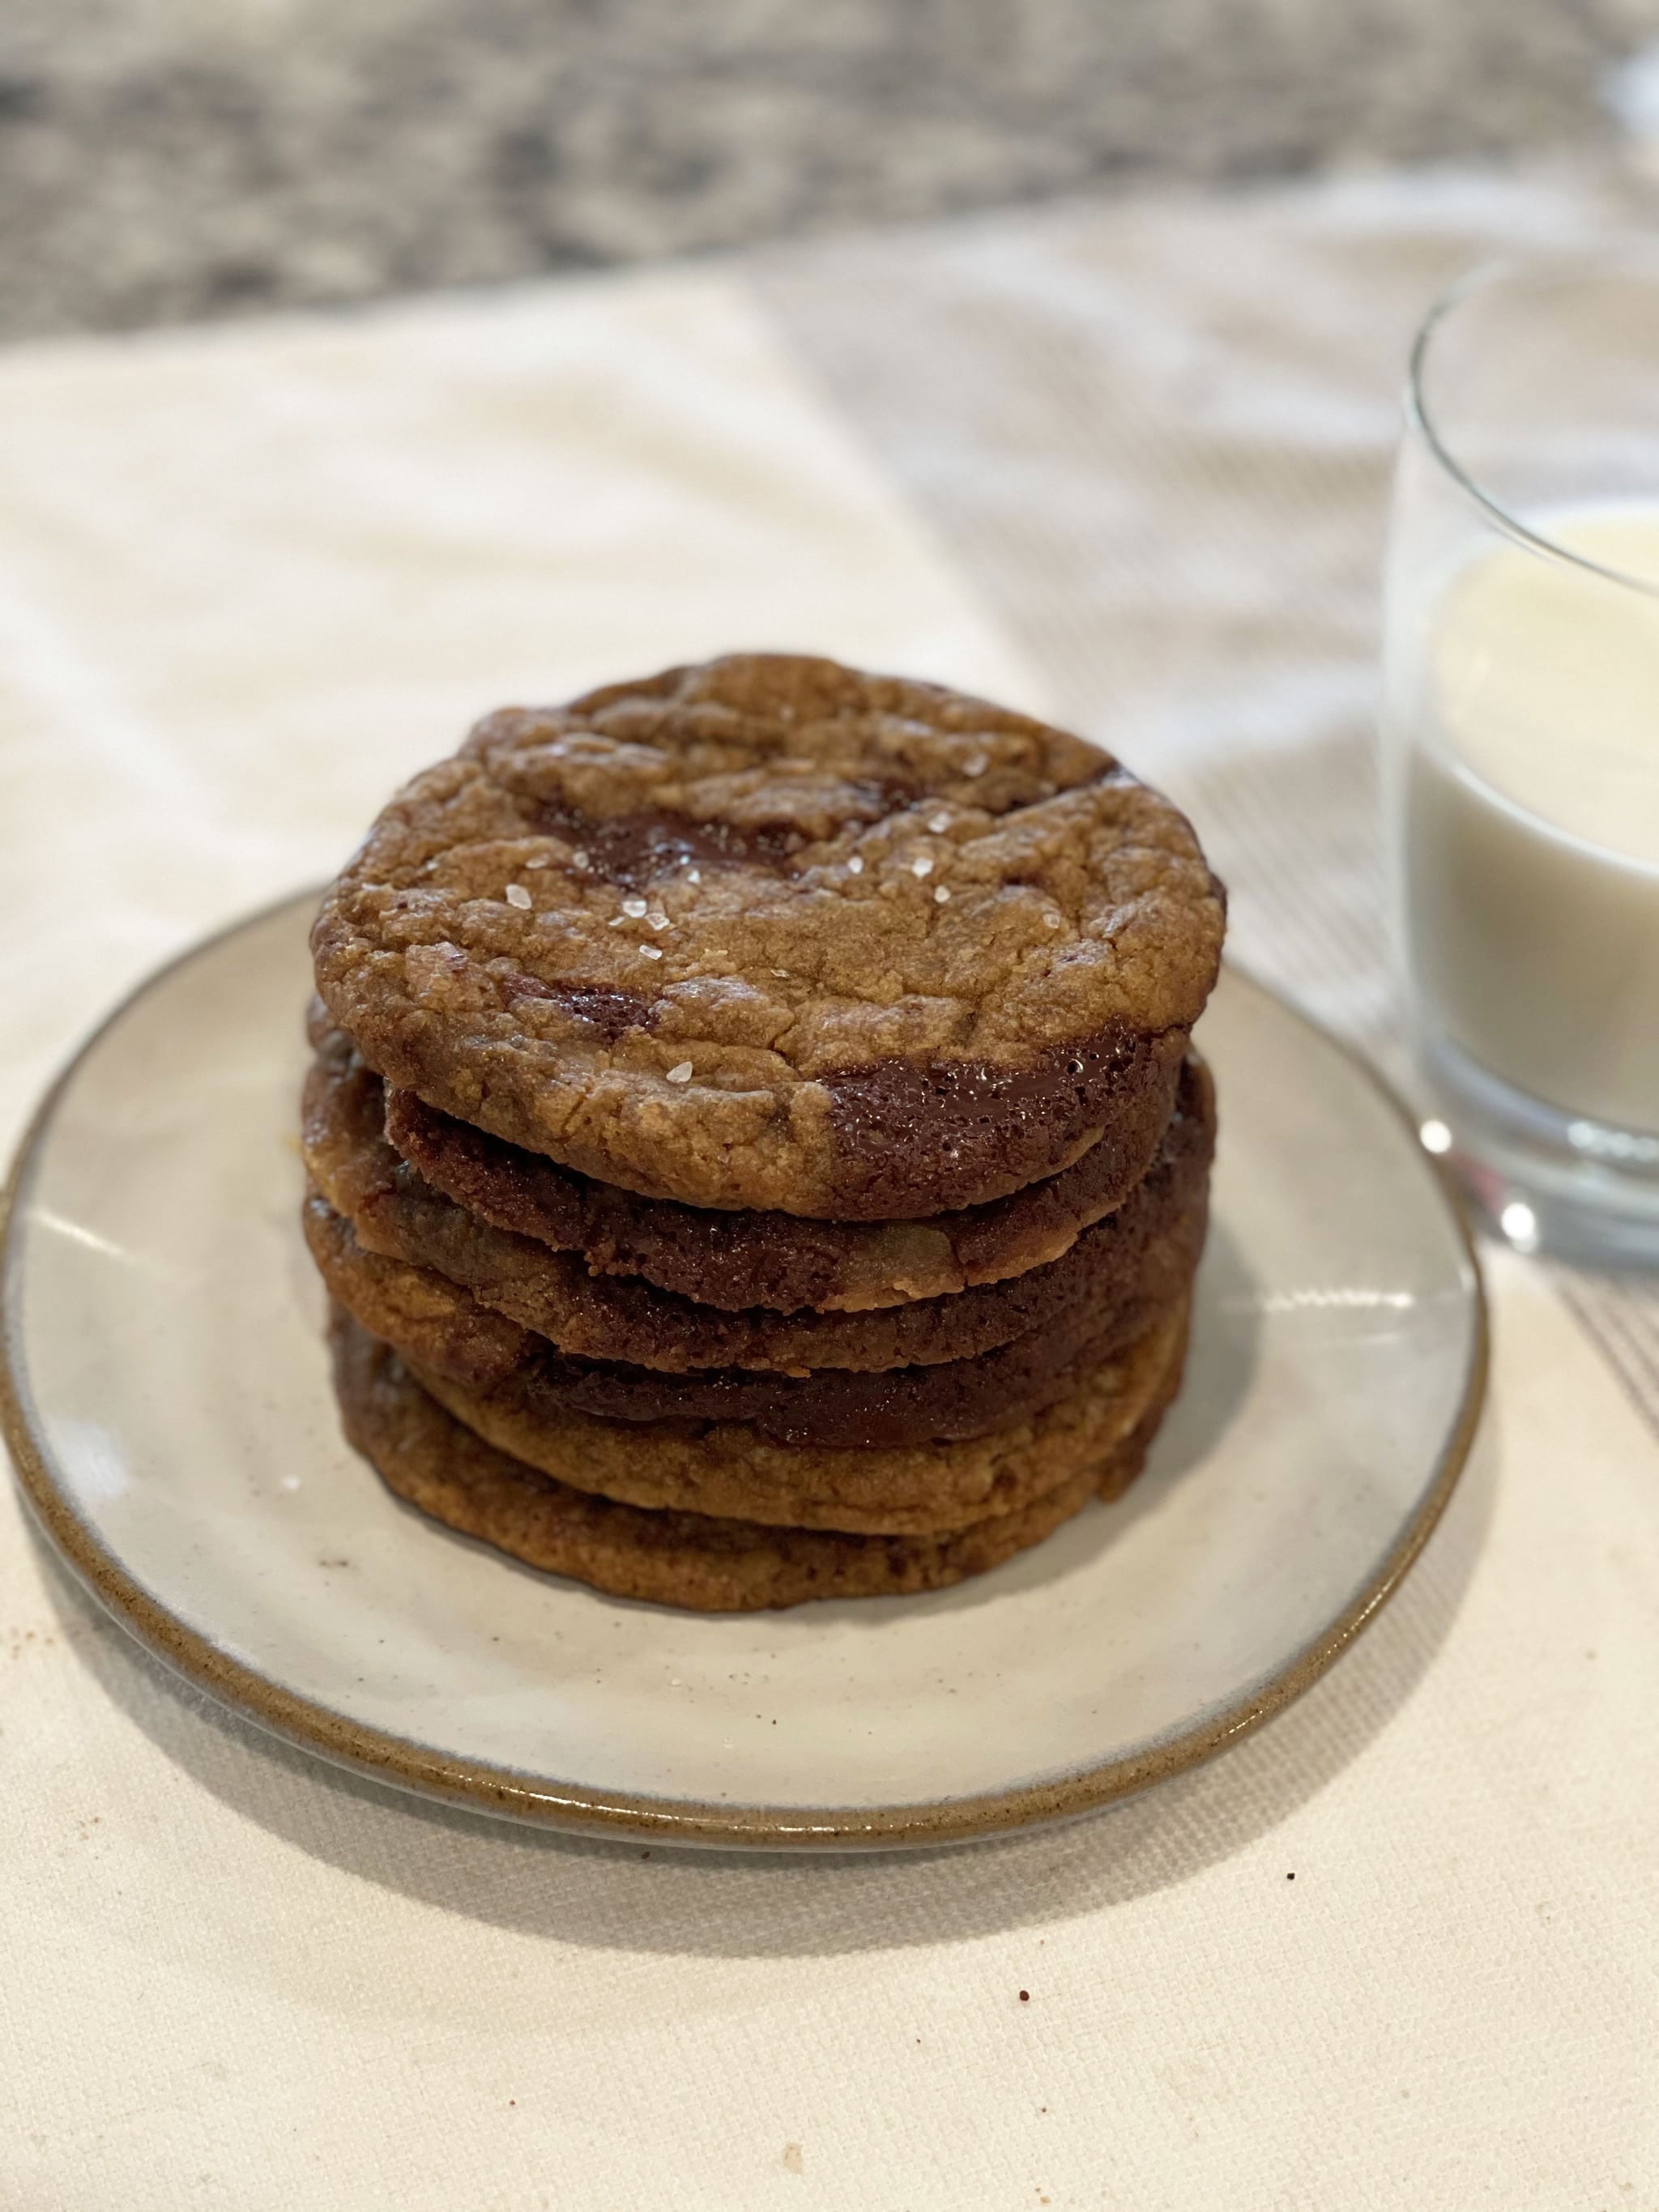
[{"x": 167, "y": 1398}]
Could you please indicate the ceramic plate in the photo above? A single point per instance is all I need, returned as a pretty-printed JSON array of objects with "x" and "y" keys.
[{"x": 168, "y": 1405}]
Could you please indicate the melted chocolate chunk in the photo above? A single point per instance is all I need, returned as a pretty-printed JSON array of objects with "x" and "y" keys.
[
  {"x": 964, "y": 1125},
  {"x": 631, "y": 849},
  {"x": 609, "y": 1011}
]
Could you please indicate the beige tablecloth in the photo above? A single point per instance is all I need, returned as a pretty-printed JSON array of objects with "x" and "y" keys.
[{"x": 1121, "y": 463}]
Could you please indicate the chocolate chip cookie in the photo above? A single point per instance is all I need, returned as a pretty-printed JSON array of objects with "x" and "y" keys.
[
  {"x": 679, "y": 1558},
  {"x": 730, "y": 1470},
  {"x": 770, "y": 933},
  {"x": 738, "y": 1259},
  {"x": 431, "y": 1320},
  {"x": 1113, "y": 1278}
]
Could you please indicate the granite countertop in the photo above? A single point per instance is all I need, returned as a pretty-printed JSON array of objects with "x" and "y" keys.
[{"x": 192, "y": 158}]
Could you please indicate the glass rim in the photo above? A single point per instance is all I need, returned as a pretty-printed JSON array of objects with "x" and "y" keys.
[{"x": 1636, "y": 260}]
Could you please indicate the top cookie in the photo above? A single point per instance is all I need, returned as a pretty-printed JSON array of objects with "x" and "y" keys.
[{"x": 769, "y": 932}]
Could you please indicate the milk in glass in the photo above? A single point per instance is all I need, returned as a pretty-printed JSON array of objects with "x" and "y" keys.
[{"x": 1532, "y": 801}]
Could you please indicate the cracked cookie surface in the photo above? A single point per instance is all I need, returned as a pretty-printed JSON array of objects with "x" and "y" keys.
[{"x": 771, "y": 933}]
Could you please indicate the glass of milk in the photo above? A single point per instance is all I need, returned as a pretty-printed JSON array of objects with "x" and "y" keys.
[{"x": 1521, "y": 743}]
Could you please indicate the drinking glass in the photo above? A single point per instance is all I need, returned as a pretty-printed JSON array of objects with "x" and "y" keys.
[{"x": 1520, "y": 735}]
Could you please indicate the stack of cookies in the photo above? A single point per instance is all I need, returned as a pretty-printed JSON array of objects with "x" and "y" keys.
[{"x": 755, "y": 1149}]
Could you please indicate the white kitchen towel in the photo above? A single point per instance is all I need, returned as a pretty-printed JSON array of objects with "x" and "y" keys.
[{"x": 1400, "y": 1949}]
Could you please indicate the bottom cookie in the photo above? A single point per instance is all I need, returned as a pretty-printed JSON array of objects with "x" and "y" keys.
[{"x": 689, "y": 1560}]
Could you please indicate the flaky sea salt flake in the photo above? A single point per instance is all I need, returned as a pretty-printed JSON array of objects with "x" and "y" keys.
[
  {"x": 681, "y": 1073},
  {"x": 633, "y": 909},
  {"x": 517, "y": 896},
  {"x": 923, "y": 866}
]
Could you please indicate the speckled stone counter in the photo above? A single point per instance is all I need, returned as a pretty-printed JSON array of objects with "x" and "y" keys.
[{"x": 194, "y": 158}]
